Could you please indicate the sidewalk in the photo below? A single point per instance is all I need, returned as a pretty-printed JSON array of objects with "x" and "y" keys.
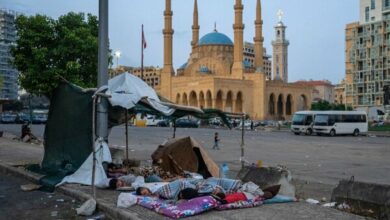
[{"x": 13, "y": 153}]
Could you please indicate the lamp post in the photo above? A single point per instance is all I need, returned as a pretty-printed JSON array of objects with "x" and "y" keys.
[{"x": 117, "y": 55}]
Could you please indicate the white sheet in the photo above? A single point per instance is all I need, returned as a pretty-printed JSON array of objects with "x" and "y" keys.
[{"x": 84, "y": 174}]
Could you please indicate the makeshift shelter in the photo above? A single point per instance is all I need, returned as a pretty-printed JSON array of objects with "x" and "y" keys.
[
  {"x": 68, "y": 134},
  {"x": 185, "y": 154}
]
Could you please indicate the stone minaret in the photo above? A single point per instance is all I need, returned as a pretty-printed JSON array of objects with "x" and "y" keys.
[
  {"x": 258, "y": 39},
  {"x": 280, "y": 51},
  {"x": 167, "y": 72},
  {"x": 195, "y": 26},
  {"x": 238, "y": 67}
]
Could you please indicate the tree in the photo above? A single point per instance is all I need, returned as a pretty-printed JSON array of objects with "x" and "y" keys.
[
  {"x": 324, "y": 105},
  {"x": 1, "y": 82},
  {"x": 49, "y": 50}
]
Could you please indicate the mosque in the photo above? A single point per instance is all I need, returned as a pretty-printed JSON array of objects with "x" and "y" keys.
[{"x": 216, "y": 75}]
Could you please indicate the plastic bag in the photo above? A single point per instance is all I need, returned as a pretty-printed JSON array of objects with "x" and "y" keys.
[
  {"x": 126, "y": 200},
  {"x": 87, "y": 208},
  {"x": 252, "y": 188},
  {"x": 139, "y": 181}
]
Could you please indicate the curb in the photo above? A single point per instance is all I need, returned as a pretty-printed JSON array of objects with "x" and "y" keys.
[{"x": 111, "y": 212}]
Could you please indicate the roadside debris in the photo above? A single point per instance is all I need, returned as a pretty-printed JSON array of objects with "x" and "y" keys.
[
  {"x": 312, "y": 201},
  {"x": 87, "y": 208},
  {"x": 30, "y": 187},
  {"x": 343, "y": 206},
  {"x": 126, "y": 200},
  {"x": 329, "y": 205},
  {"x": 54, "y": 213}
]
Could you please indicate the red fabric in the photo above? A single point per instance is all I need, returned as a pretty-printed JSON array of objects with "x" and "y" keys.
[{"x": 235, "y": 197}]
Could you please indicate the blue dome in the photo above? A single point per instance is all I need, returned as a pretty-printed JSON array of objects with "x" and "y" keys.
[
  {"x": 183, "y": 66},
  {"x": 215, "y": 38}
]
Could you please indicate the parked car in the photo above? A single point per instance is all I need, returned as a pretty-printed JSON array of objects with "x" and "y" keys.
[
  {"x": 152, "y": 120},
  {"x": 187, "y": 123},
  {"x": 23, "y": 118},
  {"x": 39, "y": 119},
  {"x": 163, "y": 123},
  {"x": 8, "y": 118}
]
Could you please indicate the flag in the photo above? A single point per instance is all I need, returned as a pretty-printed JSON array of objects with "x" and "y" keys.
[{"x": 144, "y": 45}]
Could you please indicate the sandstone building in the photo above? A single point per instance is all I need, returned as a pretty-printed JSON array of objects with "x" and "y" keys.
[{"x": 216, "y": 75}]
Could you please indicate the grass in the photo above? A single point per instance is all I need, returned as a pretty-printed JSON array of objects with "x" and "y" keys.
[{"x": 385, "y": 127}]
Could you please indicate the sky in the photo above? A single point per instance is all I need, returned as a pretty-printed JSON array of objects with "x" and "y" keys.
[{"x": 315, "y": 28}]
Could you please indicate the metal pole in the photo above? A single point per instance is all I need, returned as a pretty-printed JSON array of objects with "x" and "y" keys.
[
  {"x": 93, "y": 146},
  {"x": 242, "y": 140},
  {"x": 174, "y": 128},
  {"x": 101, "y": 117},
  {"x": 142, "y": 53},
  {"x": 101, "y": 130},
  {"x": 127, "y": 136},
  {"x": 30, "y": 108}
]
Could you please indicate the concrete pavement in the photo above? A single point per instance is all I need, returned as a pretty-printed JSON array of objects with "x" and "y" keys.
[{"x": 13, "y": 153}]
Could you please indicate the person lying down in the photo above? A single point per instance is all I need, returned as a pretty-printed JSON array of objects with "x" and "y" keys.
[{"x": 225, "y": 190}]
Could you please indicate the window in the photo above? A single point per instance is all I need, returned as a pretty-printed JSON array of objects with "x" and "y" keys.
[
  {"x": 367, "y": 14},
  {"x": 372, "y": 4},
  {"x": 387, "y": 3}
]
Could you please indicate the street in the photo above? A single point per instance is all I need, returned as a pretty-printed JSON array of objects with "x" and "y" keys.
[
  {"x": 311, "y": 158},
  {"x": 16, "y": 204}
]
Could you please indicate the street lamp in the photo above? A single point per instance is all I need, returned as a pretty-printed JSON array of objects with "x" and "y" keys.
[{"x": 117, "y": 55}]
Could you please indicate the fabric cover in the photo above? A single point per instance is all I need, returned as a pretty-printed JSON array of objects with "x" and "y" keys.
[
  {"x": 280, "y": 199},
  {"x": 182, "y": 209},
  {"x": 235, "y": 197},
  {"x": 84, "y": 174},
  {"x": 241, "y": 204},
  {"x": 187, "y": 154}
]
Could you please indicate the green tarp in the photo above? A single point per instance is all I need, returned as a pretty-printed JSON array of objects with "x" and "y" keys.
[{"x": 68, "y": 132}]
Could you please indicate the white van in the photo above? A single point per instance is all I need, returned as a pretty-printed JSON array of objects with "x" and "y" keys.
[
  {"x": 302, "y": 122},
  {"x": 341, "y": 122}
]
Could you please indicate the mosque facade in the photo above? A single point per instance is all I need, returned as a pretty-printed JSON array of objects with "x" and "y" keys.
[{"x": 217, "y": 76}]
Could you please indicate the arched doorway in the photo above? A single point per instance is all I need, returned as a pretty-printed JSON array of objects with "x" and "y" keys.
[
  {"x": 201, "y": 100},
  {"x": 185, "y": 99},
  {"x": 229, "y": 102},
  {"x": 178, "y": 98},
  {"x": 209, "y": 99},
  {"x": 302, "y": 103},
  {"x": 193, "y": 99},
  {"x": 271, "y": 105},
  {"x": 280, "y": 106},
  {"x": 289, "y": 105},
  {"x": 218, "y": 100},
  {"x": 239, "y": 102}
]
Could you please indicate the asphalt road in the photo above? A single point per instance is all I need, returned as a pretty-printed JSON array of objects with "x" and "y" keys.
[
  {"x": 312, "y": 158},
  {"x": 16, "y": 204}
]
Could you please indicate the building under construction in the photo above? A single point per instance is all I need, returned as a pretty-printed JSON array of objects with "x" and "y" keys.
[
  {"x": 8, "y": 74},
  {"x": 368, "y": 55}
]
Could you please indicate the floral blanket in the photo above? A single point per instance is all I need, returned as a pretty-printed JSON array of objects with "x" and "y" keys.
[
  {"x": 184, "y": 209},
  {"x": 199, "y": 205}
]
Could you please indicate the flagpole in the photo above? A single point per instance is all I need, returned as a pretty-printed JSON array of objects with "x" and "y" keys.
[{"x": 142, "y": 53}]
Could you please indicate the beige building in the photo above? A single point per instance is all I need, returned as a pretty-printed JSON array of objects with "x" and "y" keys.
[
  {"x": 339, "y": 93},
  {"x": 151, "y": 75},
  {"x": 322, "y": 90},
  {"x": 280, "y": 53},
  {"x": 249, "y": 59},
  {"x": 215, "y": 75},
  {"x": 368, "y": 55}
]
